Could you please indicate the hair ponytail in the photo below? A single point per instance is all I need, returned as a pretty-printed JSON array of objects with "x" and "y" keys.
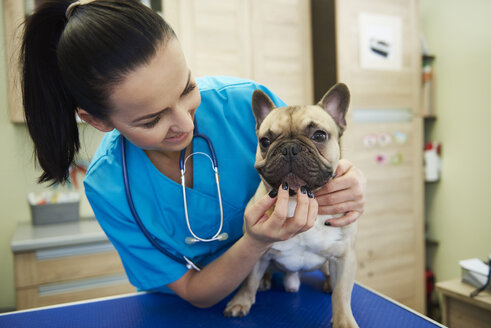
[
  {"x": 49, "y": 107},
  {"x": 75, "y": 63}
]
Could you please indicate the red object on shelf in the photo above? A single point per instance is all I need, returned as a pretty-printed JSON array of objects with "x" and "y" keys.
[
  {"x": 431, "y": 145},
  {"x": 430, "y": 287}
]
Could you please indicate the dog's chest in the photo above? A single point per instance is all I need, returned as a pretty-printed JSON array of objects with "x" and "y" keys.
[{"x": 307, "y": 250}]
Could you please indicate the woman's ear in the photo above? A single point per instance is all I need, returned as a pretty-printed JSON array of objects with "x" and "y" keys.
[{"x": 95, "y": 122}]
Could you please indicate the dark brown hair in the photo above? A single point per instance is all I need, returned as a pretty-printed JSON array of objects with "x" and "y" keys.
[{"x": 74, "y": 63}]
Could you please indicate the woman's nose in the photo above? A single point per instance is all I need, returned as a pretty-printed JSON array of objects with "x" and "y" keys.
[{"x": 184, "y": 120}]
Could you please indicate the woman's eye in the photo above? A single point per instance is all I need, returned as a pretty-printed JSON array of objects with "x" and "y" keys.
[
  {"x": 189, "y": 88},
  {"x": 265, "y": 142},
  {"x": 152, "y": 123},
  {"x": 319, "y": 136}
]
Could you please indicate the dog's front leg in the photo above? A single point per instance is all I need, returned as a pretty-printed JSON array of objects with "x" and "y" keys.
[
  {"x": 342, "y": 270},
  {"x": 245, "y": 297}
]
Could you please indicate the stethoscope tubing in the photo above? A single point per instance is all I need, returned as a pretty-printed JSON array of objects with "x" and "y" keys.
[
  {"x": 213, "y": 158},
  {"x": 214, "y": 163},
  {"x": 182, "y": 163},
  {"x": 195, "y": 237},
  {"x": 181, "y": 259}
]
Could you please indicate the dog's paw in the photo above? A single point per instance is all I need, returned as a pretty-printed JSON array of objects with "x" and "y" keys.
[
  {"x": 265, "y": 283},
  {"x": 344, "y": 325},
  {"x": 344, "y": 322},
  {"x": 236, "y": 310},
  {"x": 326, "y": 287}
]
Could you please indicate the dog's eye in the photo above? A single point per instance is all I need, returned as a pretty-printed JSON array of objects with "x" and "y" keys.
[
  {"x": 265, "y": 142},
  {"x": 319, "y": 136}
]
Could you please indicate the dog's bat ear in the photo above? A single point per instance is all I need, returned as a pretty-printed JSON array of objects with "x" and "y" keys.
[
  {"x": 261, "y": 106},
  {"x": 336, "y": 103}
]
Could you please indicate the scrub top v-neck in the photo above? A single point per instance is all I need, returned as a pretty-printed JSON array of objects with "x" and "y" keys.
[{"x": 225, "y": 116}]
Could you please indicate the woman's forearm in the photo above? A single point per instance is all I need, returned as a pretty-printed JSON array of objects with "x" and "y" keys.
[{"x": 221, "y": 277}]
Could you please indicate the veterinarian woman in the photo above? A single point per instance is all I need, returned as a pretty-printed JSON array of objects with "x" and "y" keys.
[{"x": 120, "y": 67}]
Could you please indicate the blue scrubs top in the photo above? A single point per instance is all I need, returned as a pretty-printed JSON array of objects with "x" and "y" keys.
[{"x": 225, "y": 116}]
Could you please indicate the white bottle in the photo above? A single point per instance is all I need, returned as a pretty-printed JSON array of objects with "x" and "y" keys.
[{"x": 433, "y": 163}]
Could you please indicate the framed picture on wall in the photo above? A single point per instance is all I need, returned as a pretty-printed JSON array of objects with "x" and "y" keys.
[{"x": 380, "y": 42}]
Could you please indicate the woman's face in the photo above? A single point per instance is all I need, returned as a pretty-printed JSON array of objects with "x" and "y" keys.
[{"x": 154, "y": 105}]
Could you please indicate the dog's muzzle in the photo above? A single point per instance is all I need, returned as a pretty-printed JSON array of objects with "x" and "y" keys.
[{"x": 296, "y": 164}]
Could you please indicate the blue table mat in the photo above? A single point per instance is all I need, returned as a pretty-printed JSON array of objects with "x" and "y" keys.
[{"x": 310, "y": 307}]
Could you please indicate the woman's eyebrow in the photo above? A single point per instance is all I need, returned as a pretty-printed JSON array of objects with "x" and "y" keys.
[
  {"x": 187, "y": 84},
  {"x": 148, "y": 116}
]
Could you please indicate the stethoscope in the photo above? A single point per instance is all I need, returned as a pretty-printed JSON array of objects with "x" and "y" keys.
[{"x": 219, "y": 236}]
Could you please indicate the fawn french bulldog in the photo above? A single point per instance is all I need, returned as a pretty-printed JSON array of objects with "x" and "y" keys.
[{"x": 299, "y": 147}]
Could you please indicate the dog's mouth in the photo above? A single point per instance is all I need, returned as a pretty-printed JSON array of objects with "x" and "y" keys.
[{"x": 294, "y": 181}]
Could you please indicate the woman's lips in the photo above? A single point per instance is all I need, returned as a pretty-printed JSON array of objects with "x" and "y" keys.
[{"x": 177, "y": 138}]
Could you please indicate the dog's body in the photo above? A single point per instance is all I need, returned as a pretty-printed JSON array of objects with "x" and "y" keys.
[{"x": 299, "y": 145}]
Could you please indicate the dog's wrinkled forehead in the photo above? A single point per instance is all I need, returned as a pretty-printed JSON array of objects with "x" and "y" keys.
[{"x": 300, "y": 120}]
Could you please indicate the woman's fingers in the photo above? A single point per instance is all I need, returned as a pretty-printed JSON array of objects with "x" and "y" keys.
[
  {"x": 280, "y": 213},
  {"x": 343, "y": 194},
  {"x": 278, "y": 226},
  {"x": 312, "y": 212},
  {"x": 337, "y": 197},
  {"x": 257, "y": 211},
  {"x": 342, "y": 208},
  {"x": 346, "y": 219},
  {"x": 299, "y": 219},
  {"x": 304, "y": 216},
  {"x": 343, "y": 182}
]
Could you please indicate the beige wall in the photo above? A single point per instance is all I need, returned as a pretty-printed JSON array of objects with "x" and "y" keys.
[
  {"x": 459, "y": 206},
  {"x": 18, "y": 177}
]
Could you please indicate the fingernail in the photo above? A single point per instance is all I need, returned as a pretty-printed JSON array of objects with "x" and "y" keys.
[
  {"x": 310, "y": 193},
  {"x": 303, "y": 190},
  {"x": 284, "y": 186},
  {"x": 273, "y": 193},
  {"x": 327, "y": 223}
]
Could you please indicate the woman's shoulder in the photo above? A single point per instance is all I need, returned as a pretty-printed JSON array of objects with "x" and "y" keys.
[
  {"x": 106, "y": 157},
  {"x": 224, "y": 83},
  {"x": 229, "y": 87}
]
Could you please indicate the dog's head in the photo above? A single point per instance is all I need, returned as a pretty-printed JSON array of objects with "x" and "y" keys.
[{"x": 299, "y": 145}]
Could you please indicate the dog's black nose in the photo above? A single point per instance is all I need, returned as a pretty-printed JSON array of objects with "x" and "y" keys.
[{"x": 290, "y": 149}]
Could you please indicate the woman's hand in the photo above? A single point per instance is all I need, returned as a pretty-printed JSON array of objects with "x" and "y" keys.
[
  {"x": 343, "y": 194},
  {"x": 267, "y": 229}
]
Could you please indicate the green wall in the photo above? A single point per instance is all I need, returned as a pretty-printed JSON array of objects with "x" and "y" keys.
[
  {"x": 18, "y": 177},
  {"x": 458, "y": 33}
]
